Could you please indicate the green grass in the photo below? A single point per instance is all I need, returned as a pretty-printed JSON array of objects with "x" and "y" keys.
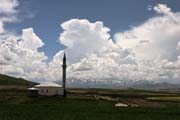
[
  {"x": 78, "y": 109},
  {"x": 15, "y": 105},
  {"x": 175, "y": 99},
  {"x": 126, "y": 93},
  {"x": 8, "y": 80}
]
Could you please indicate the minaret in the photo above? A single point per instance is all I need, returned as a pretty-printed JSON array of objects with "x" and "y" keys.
[{"x": 64, "y": 74}]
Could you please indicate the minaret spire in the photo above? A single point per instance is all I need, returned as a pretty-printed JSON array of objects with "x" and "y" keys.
[{"x": 64, "y": 74}]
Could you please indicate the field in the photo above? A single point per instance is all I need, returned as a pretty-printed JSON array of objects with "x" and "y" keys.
[
  {"x": 86, "y": 104},
  {"x": 89, "y": 104},
  {"x": 175, "y": 99}
]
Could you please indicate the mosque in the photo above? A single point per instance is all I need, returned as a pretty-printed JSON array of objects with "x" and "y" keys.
[{"x": 49, "y": 88}]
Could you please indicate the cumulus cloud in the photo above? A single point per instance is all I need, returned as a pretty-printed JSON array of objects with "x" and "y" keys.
[
  {"x": 83, "y": 38},
  {"x": 162, "y": 9},
  {"x": 20, "y": 55},
  {"x": 7, "y": 12},
  {"x": 147, "y": 52},
  {"x": 155, "y": 40},
  {"x": 8, "y": 6},
  {"x": 30, "y": 40},
  {"x": 161, "y": 36}
]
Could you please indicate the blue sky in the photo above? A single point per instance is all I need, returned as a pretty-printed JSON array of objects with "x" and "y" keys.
[
  {"x": 47, "y": 15},
  {"x": 145, "y": 33}
]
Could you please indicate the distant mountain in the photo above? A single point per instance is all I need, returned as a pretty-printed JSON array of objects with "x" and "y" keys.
[
  {"x": 20, "y": 83},
  {"x": 155, "y": 86},
  {"x": 12, "y": 82},
  {"x": 124, "y": 84}
]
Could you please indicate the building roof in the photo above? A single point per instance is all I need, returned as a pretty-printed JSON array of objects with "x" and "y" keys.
[
  {"x": 48, "y": 84},
  {"x": 33, "y": 88}
]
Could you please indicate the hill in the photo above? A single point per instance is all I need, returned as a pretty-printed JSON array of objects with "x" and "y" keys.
[
  {"x": 7, "y": 82},
  {"x": 124, "y": 84}
]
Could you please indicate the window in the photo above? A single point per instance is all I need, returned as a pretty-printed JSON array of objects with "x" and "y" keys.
[
  {"x": 46, "y": 90},
  {"x": 42, "y": 90}
]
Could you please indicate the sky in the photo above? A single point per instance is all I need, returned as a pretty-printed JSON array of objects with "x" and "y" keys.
[
  {"x": 123, "y": 41},
  {"x": 46, "y": 16}
]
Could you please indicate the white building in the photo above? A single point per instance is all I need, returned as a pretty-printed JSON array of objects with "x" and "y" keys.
[{"x": 49, "y": 89}]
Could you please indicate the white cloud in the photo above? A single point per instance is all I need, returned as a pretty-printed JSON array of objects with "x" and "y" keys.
[
  {"x": 20, "y": 55},
  {"x": 83, "y": 38},
  {"x": 149, "y": 7},
  {"x": 154, "y": 43},
  {"x": 162, "y": 9},
  {"x": 161, "y": 36},
  {"x": 30, "y": 40},
  {"x": 7, "y": 12},
  {"x": 147, "y": 52},
  {"x": 1, "y": 27},
  {"x": 8, "y": 6}
]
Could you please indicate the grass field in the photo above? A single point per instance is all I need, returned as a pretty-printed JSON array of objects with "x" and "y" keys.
[
  {"x": 72, "y": 109},
  {"x": 12, "y": 82},
  {"x": 16, "y": 105},
  {"x": 86, "y": 104},
  {"x": 175, "y": 99},
  {"x": 7, "y": 80}
]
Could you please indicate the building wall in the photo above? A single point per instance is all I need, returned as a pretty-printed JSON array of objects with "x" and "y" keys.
[
  {"x": 32, "y": 93},
  {"x": 50, "y": 91}
]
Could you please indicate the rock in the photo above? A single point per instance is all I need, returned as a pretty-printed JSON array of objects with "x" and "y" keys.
[{"x": 121, "y": 105}]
